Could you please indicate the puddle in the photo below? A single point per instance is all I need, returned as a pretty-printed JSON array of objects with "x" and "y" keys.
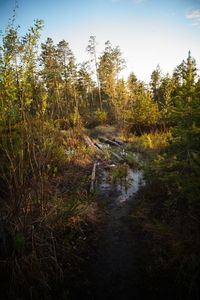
[
  {"x": 113, "y": 269},
  {"x": 126, "y": 186}
]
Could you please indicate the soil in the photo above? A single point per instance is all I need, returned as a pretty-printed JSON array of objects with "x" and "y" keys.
[{"x": 114, "y": 266}]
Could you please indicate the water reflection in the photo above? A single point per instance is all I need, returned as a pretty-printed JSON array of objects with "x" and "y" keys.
[{"x": 126, "y": 182}]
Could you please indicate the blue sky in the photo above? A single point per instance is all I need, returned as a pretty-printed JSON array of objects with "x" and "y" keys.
[{"x": 149, "y": 32}]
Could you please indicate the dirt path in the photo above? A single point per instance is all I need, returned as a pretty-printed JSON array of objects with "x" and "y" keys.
[
  {"x": 117, "y": 264},
  {"x": 114, "y": 268},
  {"x": 111, "y": 270}
]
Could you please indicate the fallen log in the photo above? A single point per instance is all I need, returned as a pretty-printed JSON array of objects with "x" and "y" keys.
[
  {"x": 101, "y": 139},
  {"x": 113, "y": 143},
  {"x": 99, "y": 146},
  {"x": 116, "y": 155},
  {"x": 93, "y": 177},
  {"x": 90, "y": 143},
  {"x": 118, "y": 141},
  {"x": 110, "y": 142}
]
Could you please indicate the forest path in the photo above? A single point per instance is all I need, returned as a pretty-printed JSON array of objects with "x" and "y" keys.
[{"x": 112, "y": 268}]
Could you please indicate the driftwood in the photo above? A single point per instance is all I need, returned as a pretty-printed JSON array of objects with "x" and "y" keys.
[{"x": 93, "y": 177}]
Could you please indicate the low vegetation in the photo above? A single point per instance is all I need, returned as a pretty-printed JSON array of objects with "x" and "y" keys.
[{"x": 168, "y": 208}]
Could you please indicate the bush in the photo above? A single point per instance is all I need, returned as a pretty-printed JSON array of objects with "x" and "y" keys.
[{"x": 100, "y": 116}]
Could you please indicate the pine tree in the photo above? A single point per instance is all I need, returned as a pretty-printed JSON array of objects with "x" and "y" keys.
[
  {"x": 91, "y": 48},
  {"x": 51, "y": 76},
  {"x": 132, "y": 84},
  {"x": 155, "y": 83},
  {"x": 29, "y": 69},
  {"x": 185, "y": 77},
  {"x": 110, "y": 65},
  {"x": 85, "y": 86}
]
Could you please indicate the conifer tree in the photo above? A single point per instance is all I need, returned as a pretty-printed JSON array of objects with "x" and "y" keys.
[
  {"x": 85, "y": 86},
  {"x": 91, "y": 48},
  {"x": 155, "y": 83},
  {"x": 51, "y": 75},
  {"x": 110, "y": 65},
  {"x": 185, "y": 77}
]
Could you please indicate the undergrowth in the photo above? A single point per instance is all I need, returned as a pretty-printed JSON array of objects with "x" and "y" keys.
[
  {"x": 151, "y": 141},
  {"x": 44, "y": 196},
  {"x": 167, "y": 214}
]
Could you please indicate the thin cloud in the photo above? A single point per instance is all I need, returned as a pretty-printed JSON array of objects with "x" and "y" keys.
[{"x": 195, "y": 16}]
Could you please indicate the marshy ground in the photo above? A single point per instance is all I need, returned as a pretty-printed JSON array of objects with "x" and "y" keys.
[{"x": 112, "y": 267}]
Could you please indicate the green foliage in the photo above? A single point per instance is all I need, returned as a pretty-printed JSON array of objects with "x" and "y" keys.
[
  {"x": 131, "y": 158},
  {"x": 119, "y": 172},
  {"x": 155, "y": 83},
  {"x": 170, "y": 210},
  {"x": 143, "y": 113},
  {"x": 100, "y": 116},
  {"x": 75, "y": 118},
  {"x": 110, "y": 65},
  {"x": 152, "y": 141}
]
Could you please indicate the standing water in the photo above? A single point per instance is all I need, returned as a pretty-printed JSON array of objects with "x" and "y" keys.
[
  {"x": 128, "y": 185},
  {"x": 113, "y": 271}
]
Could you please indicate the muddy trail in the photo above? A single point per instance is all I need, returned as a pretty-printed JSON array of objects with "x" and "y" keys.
[
  {"x": 111, "y": 271},
  {"x": 118, "y": 262},
  {"x": 114, "y": 268}
]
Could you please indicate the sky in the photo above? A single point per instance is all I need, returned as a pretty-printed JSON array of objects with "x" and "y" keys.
[{"x": 148, "y": 32}]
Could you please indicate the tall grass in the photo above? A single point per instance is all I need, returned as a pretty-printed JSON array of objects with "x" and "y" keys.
[
  {"x": 43, "y": 191},
  {"x": 150, "y": 141}
]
